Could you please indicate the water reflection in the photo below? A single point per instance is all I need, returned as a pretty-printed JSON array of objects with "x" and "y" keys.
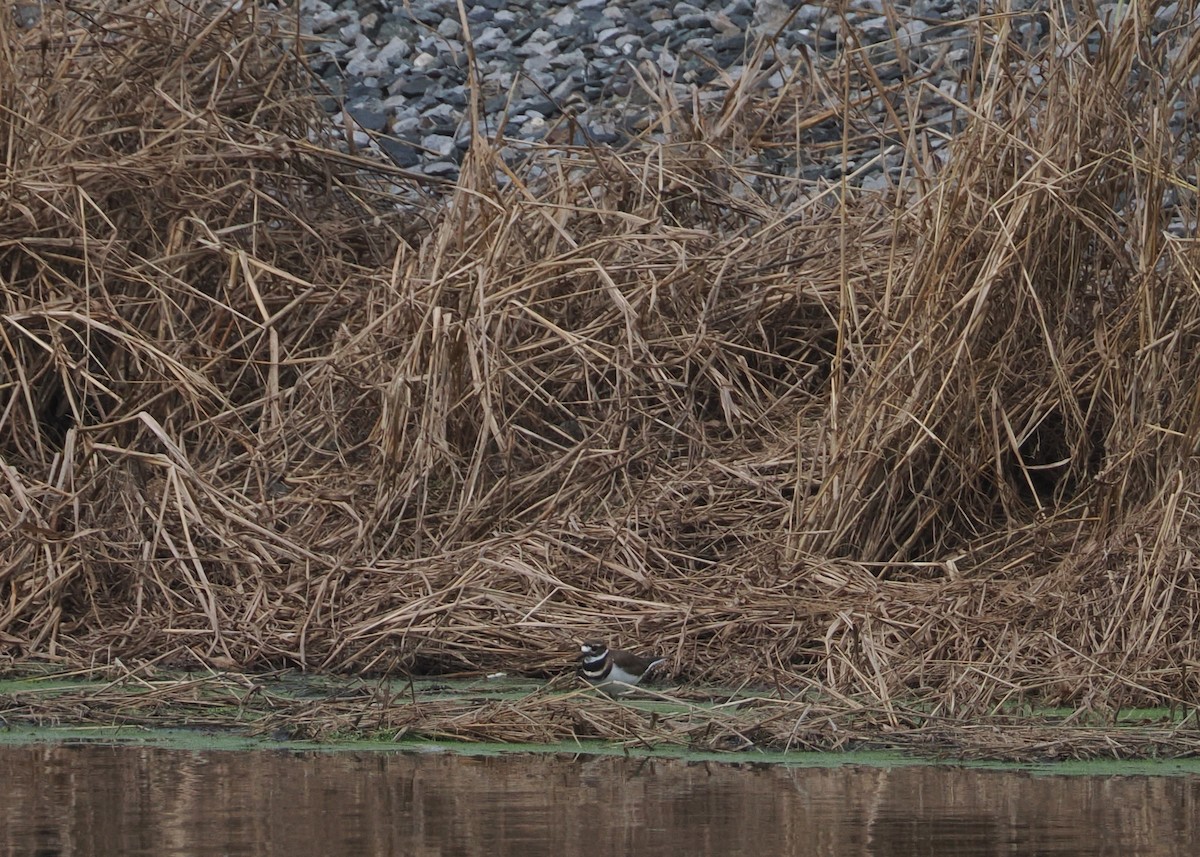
[{"x": 60, "y": 800}]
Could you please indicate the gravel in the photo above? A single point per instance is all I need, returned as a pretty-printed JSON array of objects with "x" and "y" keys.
[
  {"x": 395, "y": 73},
  {"x": 401, "y": 70}
]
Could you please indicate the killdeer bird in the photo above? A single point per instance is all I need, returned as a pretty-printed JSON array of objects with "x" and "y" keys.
[{"x": 611, "y": 670}]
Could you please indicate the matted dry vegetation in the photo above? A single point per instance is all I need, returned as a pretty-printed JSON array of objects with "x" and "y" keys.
[{"x": 929, "y": 447}]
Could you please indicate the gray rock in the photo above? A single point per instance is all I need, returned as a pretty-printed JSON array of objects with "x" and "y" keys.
[
  {"x": 911, "y": 34},
  {"x": 535, "y": 104},
  {"x": 425, "y": 61},
  {"x": 401, "y": 153},
  {"x": 395, "y": 50},
  {"x": 328, "y": 18},
  {"x": 492, "y": 39},
  {"x": 935, "y": 8},
  {"x": 876, "y": 29},
  {"x": 628, "y": 43},
  {"x": 537, "y": 81},
  {"x": 728, "y": 47},
  {"x": 334, "y": 49},
  {"x": 363, "y": 65},
  {"x": 1164, "y": 16},
  {"x": 413, "y": 85},
  {"x": 439, "y": 144},
  {"x": 602, "y": 132},
  {"x": 440, "y": 169},
  {"x": 369, "y": 113},
  {"x": 573, "y": 60},
  {"x": 810, "y": 13},
  {"x": 443, "y": 111},
  {"x": 406, "y": 126},
  {"x": 566, "y": 87}
]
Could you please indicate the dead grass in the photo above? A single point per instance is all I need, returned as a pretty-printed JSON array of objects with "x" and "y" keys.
[
  {"x": 290, "y": 707},
  {"x": 934, "y": 446}
]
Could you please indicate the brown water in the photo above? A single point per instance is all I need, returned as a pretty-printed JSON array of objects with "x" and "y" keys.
[{"x": 86, "y": 800}]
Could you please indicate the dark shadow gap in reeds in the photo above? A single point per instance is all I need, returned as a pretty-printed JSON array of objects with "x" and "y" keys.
[{"x": 936, "y": 443}]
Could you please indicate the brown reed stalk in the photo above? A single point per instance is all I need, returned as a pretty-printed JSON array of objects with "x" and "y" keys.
[{"x": 933, "y": 445}]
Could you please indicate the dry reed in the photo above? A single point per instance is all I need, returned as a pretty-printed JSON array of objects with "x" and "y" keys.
[{"x": 931, "y": 447}]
